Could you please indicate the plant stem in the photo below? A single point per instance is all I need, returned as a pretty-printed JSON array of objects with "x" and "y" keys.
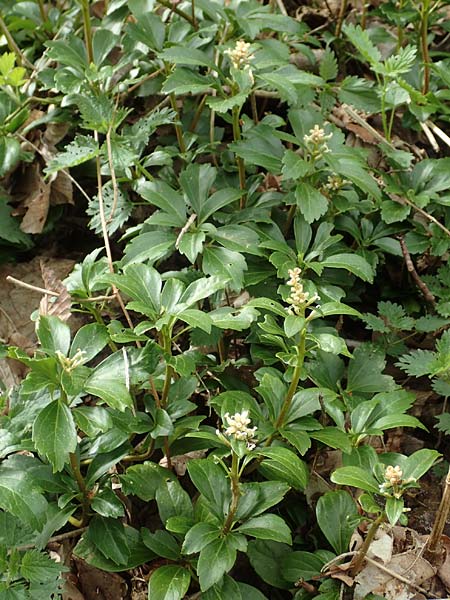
[
  {"x": 341, "y": 16},
  {"x": 235, "y": 492},
  {"x": 87, "y": 30},
  {"x": 434, "y": 541},
  {"x": 178, "y": 127},
  {"x": 167, "y": 345},
  {"x": 42, "y": 11},
  {"x": 424, "y": 13},
  {"x": 21, "y": 59},
  {"x": 168, "y": 4},
  {"x": 239, "y": 161},
  {"x": 194, "y": 20},
  {"x": 290, "y": 218},
  {"x": 85, "y": 502},
  {"x": 364, "y": 548},
  {"x": 295, "y": 379}
]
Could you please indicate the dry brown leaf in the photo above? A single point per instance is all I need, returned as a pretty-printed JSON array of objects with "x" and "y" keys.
[
  {"x": 59, "y": 306},
  {"x": 55, "y": 132},
  {"x": 409, "y": 565},
  {"x": 61, "y": 190},
  {"x": 36, "y": 206},
  {"x": 444, "y": 569},
  {"x": 180, "y": 462}
]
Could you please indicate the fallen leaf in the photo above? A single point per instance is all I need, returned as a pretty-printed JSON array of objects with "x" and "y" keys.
[{"x": 58, "y": 306}]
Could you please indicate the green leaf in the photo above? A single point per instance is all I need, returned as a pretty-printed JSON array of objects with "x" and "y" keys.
[
  {"x": 38, "y": 567},
  {"x": 256, "y": 498},
  {"x": 9, "y": 154},
  {"x": 356, "y": 477},
  {"x": 260, "y": 147},
  {"x": 337, "y": 516},
  {"x": 161, "y": 195},
  {"x": 150, "y": 246},
  {"x": 211, "y": 481},
  {"x": 92, "y": 420},
  {"x": 173, "y": 501},
  {"x": 223, "y": 105},
  {"x": 302, "y": 565},
  {"x": 360, "y": 39},
  {"x": 170, "y": 582},
  {"x": 91, "y": 339},
  {"x": 311, "y": 203},
  {"x": 333, "y": 437},
  {"x": 138, "y": 553},
  {"x": 121, "y": 205},
  {"x": 419, "y": 463},
  {"x": 281, "y": 463},
  {"x": 149, "y": 30},
  {"x": 183, "y": 55},
  {"x": 199, "y": 536},
  {"x": 185, "y": 81},
  {"x": 394, "y": 509},
  {"x": 142, "y": 284},
  {"x": 82, "y": 149},
  {"x": 20, "y": 496},
  {"x": 216, "y": 559},
  {"x": 268, "y": 559},
  {"x": 108, "y": 381},
  {"x": 351, "y": 262},
  {"x": 267, "y": 527},
  {"x": 216, "y": 201},
  {"x": 328, "y": 68},
  {"x": 196, "y": 318},
  {"x": 55, "y": 434},
  {"x": 294, "y": 166},
  {"x": 109, "y": 537},
  {"x": 162, "y": 543},
  {"x": 10, "y": 229},
  {"x": 226, "y": 589},
  {"x": 226, "y": 264},
  {"x": 53, "y": 334},
  {"x": 365, "y": 372},
  {"x": 143, "y": 480}
]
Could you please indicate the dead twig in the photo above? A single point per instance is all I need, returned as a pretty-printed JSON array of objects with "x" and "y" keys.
[
  {"x": 56, "y": 538},
  {"x": 412, "y": 270}
]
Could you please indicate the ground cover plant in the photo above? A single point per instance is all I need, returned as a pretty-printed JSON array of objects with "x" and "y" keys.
[{"x": 239, "y": 390}]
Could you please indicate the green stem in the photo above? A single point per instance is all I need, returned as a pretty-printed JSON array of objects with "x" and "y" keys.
[
  {"x": 290, "y": 218},
  {"x": 167, "y": 346},
  {"x": 198, "y": 113},
  {"x": 239, "y": 161},
  {"x": 194, "y": 19},
  {"x": 365, "y": 547},
  {"x": 21, "y": 60},
  {"x": 434, "y": 543},
  {"x": 295, "y": 379},
  {"x": 424, "y": 46},
  {"x": 42, "y": 11},
  {"x": 87, "y": 30},
  {"x": 235, "y": 493},
  {"x": 383, "y": 113},
  {"x": 178, "y": 127},
  {"x": 168, "y": 4},
  {"x": 85, "y": 501},
  {"x": 341, "y": 16}
]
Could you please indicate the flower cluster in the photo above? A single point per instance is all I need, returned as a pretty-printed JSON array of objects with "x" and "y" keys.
[
  {"x": 394, "y": 482},
  {"x": 240, "y": 55},
  {"x": 298, "y": 299},
  {"x": 69, "y": 364},
  {"x": 316, "y": 142},
  {"x": 335, "y": 183},
  {"x": 238, "y": 427}
]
